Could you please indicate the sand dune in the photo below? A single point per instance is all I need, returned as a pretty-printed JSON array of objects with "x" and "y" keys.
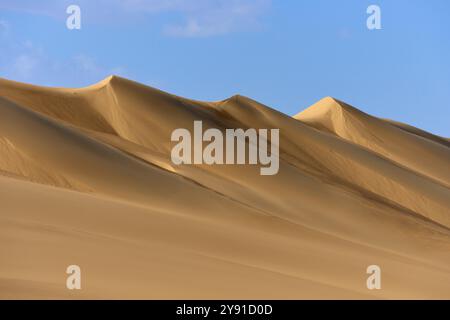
[{"x": 86, "y": 178}]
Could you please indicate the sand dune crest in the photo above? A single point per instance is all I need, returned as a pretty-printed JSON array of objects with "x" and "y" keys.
[{"x": 87, "y": 178}]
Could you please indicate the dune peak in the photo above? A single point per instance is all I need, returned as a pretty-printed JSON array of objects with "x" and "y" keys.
[{"x": 351, "y": 190}]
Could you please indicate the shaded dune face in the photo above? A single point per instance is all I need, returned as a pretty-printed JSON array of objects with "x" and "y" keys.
[{"x": 86, "y": 178}]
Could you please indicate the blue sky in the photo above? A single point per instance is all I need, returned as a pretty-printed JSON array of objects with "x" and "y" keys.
[{"x": 284, "y": 53}]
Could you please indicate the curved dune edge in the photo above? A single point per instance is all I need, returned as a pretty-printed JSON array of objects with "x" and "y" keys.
[{"x": 86, "y": 179}]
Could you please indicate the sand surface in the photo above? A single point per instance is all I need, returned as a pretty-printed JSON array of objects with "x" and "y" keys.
[{"x": 86, "y": 178}]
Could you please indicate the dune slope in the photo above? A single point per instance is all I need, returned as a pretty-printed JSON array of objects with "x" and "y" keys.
[{"x": 86, "y": 178}]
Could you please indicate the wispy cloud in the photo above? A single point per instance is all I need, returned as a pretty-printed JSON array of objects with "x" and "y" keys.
[
  {"x": 219, "y": 18},
  {"x": 29, "y": 62},
  {"x": 197, "y": 18},
  {"x": 18, "y": 58},
  {"x": 26, "y": 62}
]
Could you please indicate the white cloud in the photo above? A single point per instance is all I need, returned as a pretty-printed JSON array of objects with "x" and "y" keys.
[
  {"x": 86, "y": 64},
  {"x": 198, "y": 18},
  {"x": 19, "y": 60},
  {"x": 27, "y": 62},
  {"x": 219, "y": 18},
  {"x": 24, "y": 65},
  {"x": 82, "y": 65}
]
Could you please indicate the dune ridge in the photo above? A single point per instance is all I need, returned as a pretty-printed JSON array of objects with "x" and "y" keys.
[{"x": 87, "y": 179}]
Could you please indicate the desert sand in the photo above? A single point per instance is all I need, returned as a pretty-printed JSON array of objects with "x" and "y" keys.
[{"x": 86, "y": 178}]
